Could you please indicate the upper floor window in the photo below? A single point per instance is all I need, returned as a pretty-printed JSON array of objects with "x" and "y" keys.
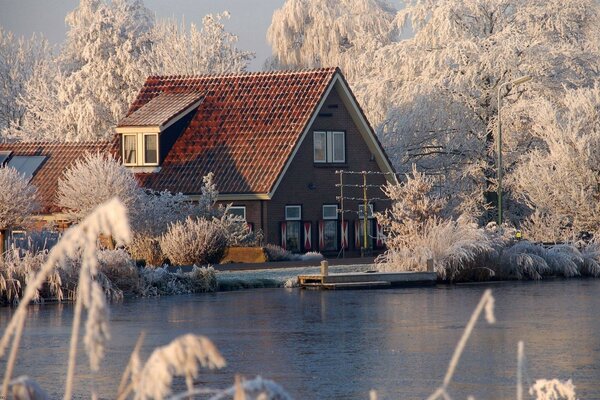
[
  {"x": 150, "y": 148},
  {"x": 330, "y": 211},
  {"x": 361, "y": 211},
  {"x": 329, "y": 147},
  {"x": 293, "y": 213},
  {"x": 140, "y": 149},
  {"x": 130, "y": 149}
]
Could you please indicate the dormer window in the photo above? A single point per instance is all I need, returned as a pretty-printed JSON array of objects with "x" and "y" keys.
[
  {"x": 150, "y": 149},
  {"x": 130, "y": 149},
  {"x": 147, "y": 142},
  {"x": 140, "y": 130}
]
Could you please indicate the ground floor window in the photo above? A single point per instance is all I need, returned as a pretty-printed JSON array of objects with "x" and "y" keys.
[
  {"x": 330, "y": 235},
  {"x": 237, "y": 211},
  {"x": 293, "y": 239},
  {"x": 359, "y": 237}
]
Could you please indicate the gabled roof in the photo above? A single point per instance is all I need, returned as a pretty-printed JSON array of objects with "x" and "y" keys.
[
  {"x": 58, "y": 157},
  {"x": 244, "y": 131},
  {"x": 162, "y": 110}
]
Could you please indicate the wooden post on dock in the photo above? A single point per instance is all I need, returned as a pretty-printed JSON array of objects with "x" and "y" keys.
[
  {"x": 324, "y": 268},
  {"x": 430, "y": 267}
]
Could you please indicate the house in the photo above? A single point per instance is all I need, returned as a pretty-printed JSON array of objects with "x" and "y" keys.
[{"x": 274, "y": 141}]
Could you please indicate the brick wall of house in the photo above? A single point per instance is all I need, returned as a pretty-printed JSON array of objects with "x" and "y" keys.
[{"x": 313, "y": 185}]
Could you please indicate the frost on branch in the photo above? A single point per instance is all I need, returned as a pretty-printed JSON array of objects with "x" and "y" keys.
[
  {"x": 19, "y": 57},
  {"x": 92, "y": 180},
  {"x": 182, "y": 50},
  {"x": 559, "y": 179},
  {"x": 553, "y": 389}
]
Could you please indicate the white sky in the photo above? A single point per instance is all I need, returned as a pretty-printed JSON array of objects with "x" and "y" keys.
[{"x": 249, "y": 18}]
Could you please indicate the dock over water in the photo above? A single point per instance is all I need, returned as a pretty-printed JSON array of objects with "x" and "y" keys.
[{"x": 366, "y": 280}]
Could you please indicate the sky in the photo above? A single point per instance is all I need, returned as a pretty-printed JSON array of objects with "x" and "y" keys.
[{"x": 249, "y": 18}]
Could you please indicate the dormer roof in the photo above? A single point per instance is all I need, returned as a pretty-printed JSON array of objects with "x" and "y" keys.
[{"x": 162, "y": 111}]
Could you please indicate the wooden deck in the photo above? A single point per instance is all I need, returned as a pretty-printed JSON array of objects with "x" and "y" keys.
[{"x": 367, "y": 280}]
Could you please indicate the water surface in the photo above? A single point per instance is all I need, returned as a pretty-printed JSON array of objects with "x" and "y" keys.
[{"x": 341, "y": 344}]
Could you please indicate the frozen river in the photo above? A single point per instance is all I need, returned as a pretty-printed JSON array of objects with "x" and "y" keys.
[{"x": 339, "y": 345}]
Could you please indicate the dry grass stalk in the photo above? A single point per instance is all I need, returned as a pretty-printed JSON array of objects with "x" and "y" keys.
[
  {"x": 109, "y": 219},
  {"x": 240, "y": 394},
  {"x": 485, "y": 304},
  {"x": 132, "y": 370},
  {"x": 182, "y": 357}
]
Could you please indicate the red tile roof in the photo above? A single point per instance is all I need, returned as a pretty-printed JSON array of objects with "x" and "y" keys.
[
  {"x": 59, "y": 156},
  {"x": 161, "y": 109},
  {"x": 244, "y": 131}
]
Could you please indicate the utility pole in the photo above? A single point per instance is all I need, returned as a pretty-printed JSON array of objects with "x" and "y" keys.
[{"x": 365, "y": 202}]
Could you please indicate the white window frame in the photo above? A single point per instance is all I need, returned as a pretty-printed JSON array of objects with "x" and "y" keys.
[
  {"x": 329, "y": 218},
  {"x": 243, "y": 208},
  {"x": 361, "y": 211},
  {"x": 329, "y": 147},
  {"x": 299, "y": 208},
  {"x": 144, "y": 148},
  {"x": 136, "y": 149}
]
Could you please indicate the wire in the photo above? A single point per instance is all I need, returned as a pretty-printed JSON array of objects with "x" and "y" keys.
[
  {"x": 358, "y": 186},
  {"x": 364, "y": 172},
  {"x": 362, "y": 198}
]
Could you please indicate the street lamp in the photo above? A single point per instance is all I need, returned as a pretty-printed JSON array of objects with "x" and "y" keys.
[{"x": 513, "y": 83}]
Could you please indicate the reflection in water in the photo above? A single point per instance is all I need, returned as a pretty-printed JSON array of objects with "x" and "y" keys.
[{"x": 341, "y": 344}]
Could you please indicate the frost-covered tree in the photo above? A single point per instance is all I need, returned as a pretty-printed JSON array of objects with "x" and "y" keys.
[
  {"x": 82, "y": 94},
  {"x": 19, "y": 58},
  {"x": 182, "y": 50},
  {"x": 560, "y": 178},
  {"x": 92, "y": 180},
  {"x": 315, "y": 33},
  {"x": 443, "y": 82},
  {"x": 432, "y": 96},
  {"x": 17, "y": 201}
]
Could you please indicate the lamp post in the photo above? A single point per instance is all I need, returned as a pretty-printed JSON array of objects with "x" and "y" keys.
[{"x": 513, "y": 83}]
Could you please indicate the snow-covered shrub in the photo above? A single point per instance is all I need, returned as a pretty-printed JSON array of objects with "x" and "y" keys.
[
  {"x": 417, "y": 231},
  {"x": 194, "y": 241},
  {"x": 277, "y": 253},
  {"x": 17, "y": 269},
  {"x": 522, "y": 260},
  {"x": 92, "y": 180},
  {"x": 160, "y": 281},
  {"x": 454, "y": 247},
  {"x": 119, "y": 269},
  {"x": 203, "y": 279},
  {"x": 238, "y": 233},
  {"x": 591, "y": 260},
  {"x": 311, "y": 256},
  {"x": 146, "y": 248},
  {"x": 564, "y": 260}
]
